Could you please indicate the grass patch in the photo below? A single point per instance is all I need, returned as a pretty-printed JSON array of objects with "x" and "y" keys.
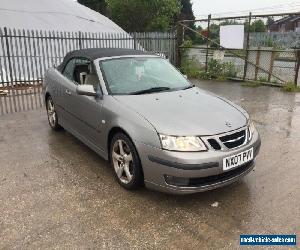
[
  {"x": 291, "y": 87},
  {"x": 251, "y": 84}
]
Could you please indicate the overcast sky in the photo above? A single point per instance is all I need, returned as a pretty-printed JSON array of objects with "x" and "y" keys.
[{"x": 237, "y": 7}]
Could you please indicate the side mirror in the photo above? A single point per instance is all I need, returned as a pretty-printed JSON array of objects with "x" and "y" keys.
[
  {"x": 185, "y": 76},
  {"x": 87, "y": 90}
]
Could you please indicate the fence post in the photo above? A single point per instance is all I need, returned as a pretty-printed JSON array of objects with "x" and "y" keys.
[
  {"x": 297, "y": 66},
  {"x": 10, "y": 66},
  {"x": 134, "y": 40},
  {"x": 247, "y": 47},
  {"x": 178, "y": 44},
  {"x": 207, "y": 42},
  {"x": 271, "y": 65},
  {"x": 257, "y": 63},
  {"x": 79, "y": 40}
]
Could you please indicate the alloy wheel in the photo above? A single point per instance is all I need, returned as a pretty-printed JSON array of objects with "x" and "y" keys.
[
  {"x": 51, "y": 113},
  {"x": 122, "y": 161}
]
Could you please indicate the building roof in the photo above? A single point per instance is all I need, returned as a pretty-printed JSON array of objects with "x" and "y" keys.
[
  {"x": 93, "y": 54},
  {"x": 62, "y": 15},
  {"x": 287, "y": 19}
]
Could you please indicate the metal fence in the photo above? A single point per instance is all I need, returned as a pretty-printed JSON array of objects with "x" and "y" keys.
[
  {"x": 280, "y": 40},
  {"x": 25, "y": 55},
  {"x": 263, "y": 60},
  {"x": 263, "y": 64}
]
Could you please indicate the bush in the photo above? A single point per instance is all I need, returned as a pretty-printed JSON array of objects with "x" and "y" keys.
[
  {"x": 204, "y": 75},
  {"x": 230, "y": 70},
  {"x": 218, "y": 70},
  {"x": 215, "y": 69},
  {"x": 190, "y": 68}
]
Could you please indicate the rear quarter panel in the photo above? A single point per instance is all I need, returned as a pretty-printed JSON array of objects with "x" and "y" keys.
[{"x": 51, "y": 83}]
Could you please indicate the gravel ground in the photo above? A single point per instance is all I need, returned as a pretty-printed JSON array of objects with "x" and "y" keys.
[{"x": 56, "y": 193}]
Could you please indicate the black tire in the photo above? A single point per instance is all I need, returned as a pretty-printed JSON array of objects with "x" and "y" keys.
[
  {"x": 52, "y": 115},
  {"x": 135, "y": 166}
]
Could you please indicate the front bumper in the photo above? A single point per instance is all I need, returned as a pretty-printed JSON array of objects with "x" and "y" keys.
[{"x": 204, "y": 169}]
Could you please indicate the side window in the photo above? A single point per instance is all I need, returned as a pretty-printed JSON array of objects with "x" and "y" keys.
[
  {"x": 76, "y": 70},
  {"x": 81, "y": 71},
  {"x": 69, "y": 69}
]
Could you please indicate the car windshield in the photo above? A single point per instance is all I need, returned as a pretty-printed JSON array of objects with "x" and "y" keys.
[{"x": 141, "y": 75}]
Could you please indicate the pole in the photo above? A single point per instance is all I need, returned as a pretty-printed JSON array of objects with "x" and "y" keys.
[
  {"x": 178, "y": 44},
  {"x": 297, "y": 66},
  {"x": 271, "y": 65},
  {"x": 134, "y": 40},
  {"x": 247, "y": 47},
  {"x": 207, "y": 42},
  {"x": 79, "y": 40},
  {"x": 10, "y": 67}
]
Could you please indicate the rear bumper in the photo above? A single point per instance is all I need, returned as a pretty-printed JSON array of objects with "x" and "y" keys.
[{"x": 204, "y": 170}]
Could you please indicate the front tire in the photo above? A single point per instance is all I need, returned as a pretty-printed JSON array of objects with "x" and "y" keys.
[
  {"x": 52, "y": 115},
  {"x": 125, "y": 161}
]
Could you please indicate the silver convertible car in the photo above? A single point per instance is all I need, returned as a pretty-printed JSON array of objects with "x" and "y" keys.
[{"x": 136, "y": 110}]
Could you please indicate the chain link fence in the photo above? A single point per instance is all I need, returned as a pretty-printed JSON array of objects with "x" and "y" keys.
[{"x": 266, "y": 56}]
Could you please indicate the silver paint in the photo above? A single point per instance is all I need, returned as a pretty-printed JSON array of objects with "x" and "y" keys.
[{"x": 191, "y": 112}]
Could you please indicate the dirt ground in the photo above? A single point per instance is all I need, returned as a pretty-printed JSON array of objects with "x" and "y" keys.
[{"x": 57, "y": 193}]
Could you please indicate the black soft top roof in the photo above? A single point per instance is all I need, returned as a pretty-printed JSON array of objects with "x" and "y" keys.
[{"x": 93, "y": 54}]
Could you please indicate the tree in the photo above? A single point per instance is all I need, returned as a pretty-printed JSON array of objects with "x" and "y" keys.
[
  {"x": 199, "y": 39},
  {"x": 96, "y": 5},
  {"x": 214, "y": 35},
  {"x": 258, "y": 26},
  {"x": 270, "y": 21},
  {"x": 229, "y": 22},
  {"x": 187, "y": 13},
  {"x": 143, "y": 15}
]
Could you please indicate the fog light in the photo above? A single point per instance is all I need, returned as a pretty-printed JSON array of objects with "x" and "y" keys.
[{"x": 177, "y": 181}]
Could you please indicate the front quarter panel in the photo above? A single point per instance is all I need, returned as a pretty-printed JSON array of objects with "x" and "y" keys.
[{"x": 116, "y": 115}]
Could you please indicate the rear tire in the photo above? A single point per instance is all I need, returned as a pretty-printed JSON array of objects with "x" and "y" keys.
[
  {"x": 125, "y": 161},
  {"x": 52, "y": 115}
]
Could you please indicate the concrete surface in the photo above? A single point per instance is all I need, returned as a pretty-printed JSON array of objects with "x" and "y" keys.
[{"x": 56, "y": 193}]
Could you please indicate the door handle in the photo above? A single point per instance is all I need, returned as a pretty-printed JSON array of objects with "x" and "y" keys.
[{"x": 68, "y": 92}]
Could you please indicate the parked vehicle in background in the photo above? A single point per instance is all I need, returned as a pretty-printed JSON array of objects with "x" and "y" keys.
[{"x": 137, "y": 111}]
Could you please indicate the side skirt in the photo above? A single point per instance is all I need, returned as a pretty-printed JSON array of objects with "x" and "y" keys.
[{"x": 91, "y": 145}]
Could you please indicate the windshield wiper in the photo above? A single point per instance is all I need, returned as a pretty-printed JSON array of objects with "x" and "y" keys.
[
  {"x": 189, "y": 87},
  {"x": 151, "y": 90}
]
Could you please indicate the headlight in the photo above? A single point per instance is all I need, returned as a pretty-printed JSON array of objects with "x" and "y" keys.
[
  {"x": 182, "y": 143},
  {"x": 251, "y": 129}
]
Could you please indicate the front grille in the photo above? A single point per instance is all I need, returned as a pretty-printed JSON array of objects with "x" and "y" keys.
[
  {"x": 214, "y": 144},
  {"x": 210, "y": 180},
  {"x": 234, "y": 140}
]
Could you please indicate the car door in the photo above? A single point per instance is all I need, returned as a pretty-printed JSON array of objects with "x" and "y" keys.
[
  {"x": 86, "y": 110},
  {"x": 66, "y": 87}
]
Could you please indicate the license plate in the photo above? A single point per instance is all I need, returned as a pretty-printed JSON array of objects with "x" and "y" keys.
[{"x": 238, "y": 159}]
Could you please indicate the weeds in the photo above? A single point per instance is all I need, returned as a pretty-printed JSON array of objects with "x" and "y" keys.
[
  {"x": 215, "y": 69},
  {"x": 291, "y": 87},
  {"x": 263, "y": 79}
]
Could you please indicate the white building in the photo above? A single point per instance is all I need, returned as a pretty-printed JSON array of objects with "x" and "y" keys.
[
  {"x": 45, "y": 15},
  {"x": 63, "y": 15}
]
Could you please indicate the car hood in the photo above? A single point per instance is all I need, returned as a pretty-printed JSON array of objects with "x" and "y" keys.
[{"x": 186, "y": 112}]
